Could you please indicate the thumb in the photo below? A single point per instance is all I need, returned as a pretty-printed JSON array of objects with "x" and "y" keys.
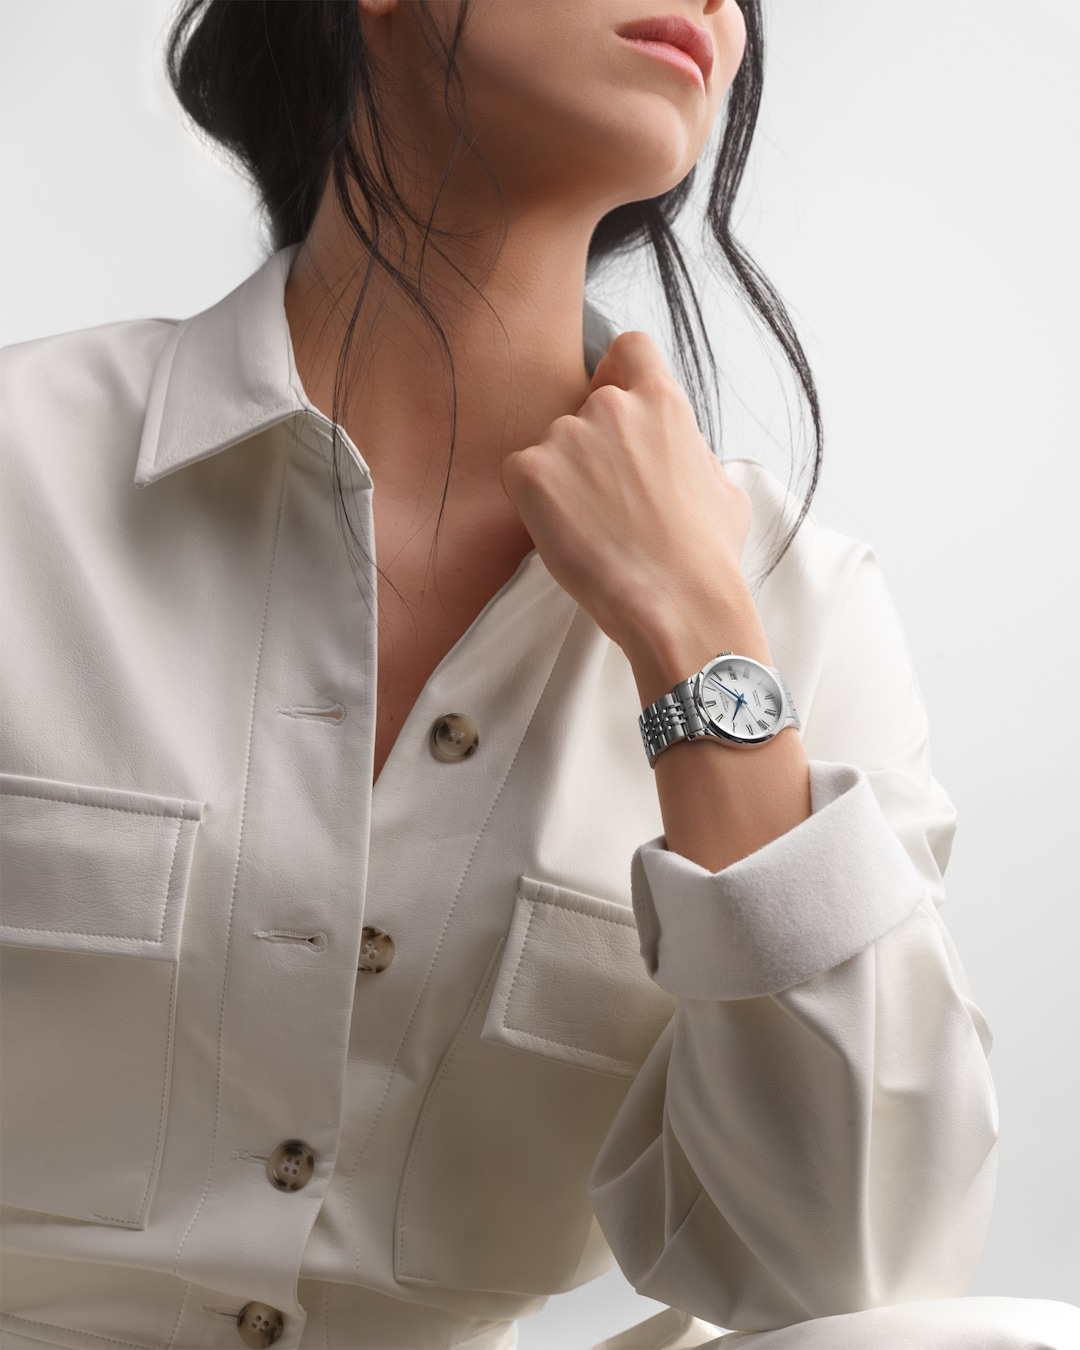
[
  {"x": 603, "y": 374},
  {"x": 630, "y": 358},
  {"x": 609, "y": 369}
]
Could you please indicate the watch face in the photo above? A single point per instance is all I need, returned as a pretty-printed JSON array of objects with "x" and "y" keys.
[{"x": 741, "y": 699}]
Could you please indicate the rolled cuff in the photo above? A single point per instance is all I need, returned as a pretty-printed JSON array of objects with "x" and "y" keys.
[{"x": 808, "y": 900}]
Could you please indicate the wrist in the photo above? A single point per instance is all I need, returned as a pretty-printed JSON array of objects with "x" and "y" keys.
[{"x": 672, "y": 642}]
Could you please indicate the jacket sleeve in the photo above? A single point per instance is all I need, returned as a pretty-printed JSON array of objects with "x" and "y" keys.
[{"x": 815, "y": 1131}]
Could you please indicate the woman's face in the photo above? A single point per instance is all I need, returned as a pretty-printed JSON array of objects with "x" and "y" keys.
[{"x": 562, "y": 107}]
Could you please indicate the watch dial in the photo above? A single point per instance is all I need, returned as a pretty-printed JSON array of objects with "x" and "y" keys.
[{"x": 742, "y": 700}]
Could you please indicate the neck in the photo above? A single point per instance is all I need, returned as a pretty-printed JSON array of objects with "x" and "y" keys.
[{"x": 517, "y": 347}]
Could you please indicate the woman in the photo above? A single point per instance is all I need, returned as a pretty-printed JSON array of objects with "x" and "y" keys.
[{"x": 371, "y": 971}]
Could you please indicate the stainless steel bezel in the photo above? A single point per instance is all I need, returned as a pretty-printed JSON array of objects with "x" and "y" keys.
[{"x": 716, "y": 728}]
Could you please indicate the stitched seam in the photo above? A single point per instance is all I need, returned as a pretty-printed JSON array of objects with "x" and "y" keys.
[
  {"x": 438, "y": 948},
  {"x": 78, "y": 1331},
  {"x": 470, "y": 1018},
  {"x": 517, "y": 963},
  {"x": 97, "y": 806},
  {"x": 179, "y": 1314},
  {"x": 549, "y": 1040},
  {"x": 161, "y": 1114},
  {"x": 577, "y": 908},
  {"x": 570, "y": 1045},
  {"x": 171, "y": 881},
  {"x": 164, "y": 1091},
  {"x": 117, "y": 937},
  {"x": 81, "y": 932},
  {"x": 236, "y": 869},
  {"x": 521, "y": 953}
]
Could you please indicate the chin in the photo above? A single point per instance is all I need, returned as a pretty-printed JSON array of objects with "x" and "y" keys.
[{"x": 655, "y": 165}]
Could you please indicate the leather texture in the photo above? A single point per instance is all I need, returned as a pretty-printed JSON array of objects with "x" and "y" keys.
[
  {"x": 570, "y": 984},
  {"x": 765, "y": 1091},
  {"x": 93, "y": 884}
]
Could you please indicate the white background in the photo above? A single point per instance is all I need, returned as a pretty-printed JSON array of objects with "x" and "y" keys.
[{"x": 913, "y": 195}]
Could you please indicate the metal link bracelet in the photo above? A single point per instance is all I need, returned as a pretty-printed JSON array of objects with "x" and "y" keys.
[{"x": 676, "y": 717}]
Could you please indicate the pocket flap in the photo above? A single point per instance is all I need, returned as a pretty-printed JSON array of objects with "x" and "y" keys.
[
  {"x": 94, "y": 869},
  {"x": 572, "y": 984}
]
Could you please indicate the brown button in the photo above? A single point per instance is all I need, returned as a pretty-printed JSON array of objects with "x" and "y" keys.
[
  {"x": 259, "y": 1324},
  {"x": 454, "y": 736},
  {"x": 291, "y": 1165},
  {"x": 376, "y": 951}
]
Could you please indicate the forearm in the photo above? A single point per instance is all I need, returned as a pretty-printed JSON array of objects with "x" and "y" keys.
[
  {"x": 814, "y": 1133},
  {"x": 810, "y": 1153},
  {"x": 718, "y": 802}
]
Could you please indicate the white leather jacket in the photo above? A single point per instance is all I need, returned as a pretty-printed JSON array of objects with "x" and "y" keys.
[{"x": 765, "y": 1089}]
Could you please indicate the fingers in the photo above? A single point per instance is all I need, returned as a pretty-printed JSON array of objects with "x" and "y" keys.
[{"x": 632, "y": 358}]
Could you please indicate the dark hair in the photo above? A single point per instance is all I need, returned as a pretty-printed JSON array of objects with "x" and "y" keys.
[{"x": 278, "y": 84}]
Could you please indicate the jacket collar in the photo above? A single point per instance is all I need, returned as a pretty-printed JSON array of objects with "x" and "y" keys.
[{"x": 229, "y": 372}]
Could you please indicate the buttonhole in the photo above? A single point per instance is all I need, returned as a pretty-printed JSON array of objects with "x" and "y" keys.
[
  {"x": 231, "y": 1313},
  {"x": 334, "y": 714},
  {"x": 316, "y": 941}
]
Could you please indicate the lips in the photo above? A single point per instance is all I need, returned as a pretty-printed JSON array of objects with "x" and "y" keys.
[{"x": 696, "y": 42}]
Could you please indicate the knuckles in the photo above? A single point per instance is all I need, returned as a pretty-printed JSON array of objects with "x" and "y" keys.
[
  {"x": 661, "y": 385},
  {"x": 608, "y": 400},
  {"x": 657, "y": 391},
  {"x": 526, "y": 470}
]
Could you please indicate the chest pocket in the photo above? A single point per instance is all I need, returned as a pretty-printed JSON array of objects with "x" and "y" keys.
[
  {"x": 494, "y": 1193},
  {"x": 93, "y": 883}
]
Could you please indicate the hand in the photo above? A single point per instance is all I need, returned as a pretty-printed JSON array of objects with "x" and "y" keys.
[{"x": 631, "y": 512}]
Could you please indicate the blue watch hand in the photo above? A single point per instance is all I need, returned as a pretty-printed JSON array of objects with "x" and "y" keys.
[{"x": 739, "y": 704}]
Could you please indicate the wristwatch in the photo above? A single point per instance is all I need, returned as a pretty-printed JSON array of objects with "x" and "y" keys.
[{"x": 734, "y": 699}]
